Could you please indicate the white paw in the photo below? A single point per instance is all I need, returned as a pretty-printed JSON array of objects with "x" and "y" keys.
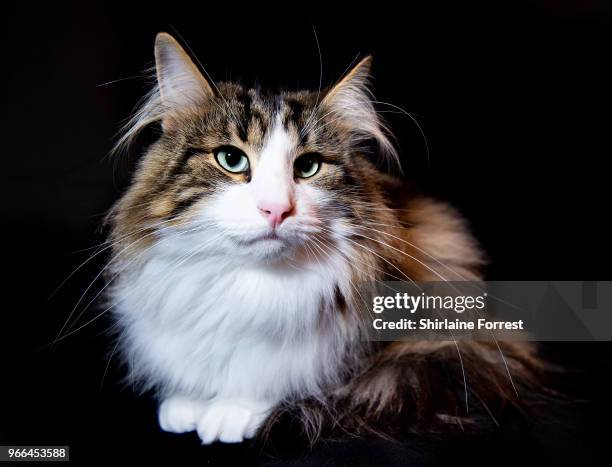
[
  {"x": 179, "y": 414},
  {"x": 230, "y": 421}
]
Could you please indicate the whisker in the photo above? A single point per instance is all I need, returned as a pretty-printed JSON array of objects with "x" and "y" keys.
[
  {"x": 349, "y": 280},
  {"x": 111, "y": 280},
  {"x": 109, "y": 244},
  {"x": 405, "y": 254},
  {"x": 108, "y": 363},
  {"x": 375, "y": 254},
  {"x": 182, "y": 260},
  {"x": 315, "y": 107},
  {"x": 106, "y": 267}
]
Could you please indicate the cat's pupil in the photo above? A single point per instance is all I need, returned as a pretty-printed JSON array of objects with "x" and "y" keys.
[
  {"x": 305, "y": 163},
  {"x": 233, "y": 159}
]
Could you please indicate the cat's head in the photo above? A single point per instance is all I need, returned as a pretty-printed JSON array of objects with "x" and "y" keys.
[{"x": 252, "y": 174}]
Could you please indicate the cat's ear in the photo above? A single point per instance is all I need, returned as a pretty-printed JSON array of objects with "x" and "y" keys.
[
  {"x": 181, "y": 84},
  {"x": 351, "y": 103},
  {"x": 352, "y": 87}
]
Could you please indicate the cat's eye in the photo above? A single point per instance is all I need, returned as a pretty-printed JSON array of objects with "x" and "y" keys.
[
  {"x": 232, "y": 159},
  {"x": 307, "y": 165}
]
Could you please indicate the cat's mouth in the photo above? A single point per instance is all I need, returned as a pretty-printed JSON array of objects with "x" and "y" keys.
[
  {"x": 263, "y": 238},
  {"x": 264, "y": 246},
  {"x": 268, "y": 237}
]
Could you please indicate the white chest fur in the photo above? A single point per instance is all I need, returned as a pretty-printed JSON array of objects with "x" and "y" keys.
[{"x": 207, "y": 328}]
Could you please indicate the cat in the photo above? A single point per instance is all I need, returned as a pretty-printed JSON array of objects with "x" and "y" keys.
[{"x": 241, "y": 247}]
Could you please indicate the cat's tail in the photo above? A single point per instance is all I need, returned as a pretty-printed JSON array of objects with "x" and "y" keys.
[{"x": 432, "y": 388}]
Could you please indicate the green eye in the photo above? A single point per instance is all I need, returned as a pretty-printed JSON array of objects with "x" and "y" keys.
[
  {"x": 232, "y": 159},
  {"x": 307, "y": 165}
]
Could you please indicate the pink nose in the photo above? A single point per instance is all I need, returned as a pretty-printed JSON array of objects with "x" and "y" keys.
[{"x": 276, "y": 213}]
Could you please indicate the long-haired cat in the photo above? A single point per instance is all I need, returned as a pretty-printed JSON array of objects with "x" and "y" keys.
[{"x": 241, "y": 250}]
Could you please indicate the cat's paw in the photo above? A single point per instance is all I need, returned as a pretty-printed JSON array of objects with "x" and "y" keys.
[
  {"x": 180, "y": 414},
  {"x": 231, "y": 421}
]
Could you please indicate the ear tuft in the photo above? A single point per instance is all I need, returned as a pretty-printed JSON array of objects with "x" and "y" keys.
[{"x": 351, "y": 103}]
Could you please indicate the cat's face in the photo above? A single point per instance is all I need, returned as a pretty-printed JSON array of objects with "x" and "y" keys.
[
  {"x": 245, "y": 171},
  {"x": 253, "y": 175}
]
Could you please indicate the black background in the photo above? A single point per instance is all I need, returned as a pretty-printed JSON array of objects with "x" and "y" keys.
[{"x": 515, "y": 105}]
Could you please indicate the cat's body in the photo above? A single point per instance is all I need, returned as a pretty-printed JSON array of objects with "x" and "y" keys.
[
  {"x": 241, "y": 249},
  {"x": 195, "y": 337}
]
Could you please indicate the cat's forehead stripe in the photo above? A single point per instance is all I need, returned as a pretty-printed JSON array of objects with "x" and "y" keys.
[
  {"x": 294, "y": 111},
  {"x": 265, "y": 111}
]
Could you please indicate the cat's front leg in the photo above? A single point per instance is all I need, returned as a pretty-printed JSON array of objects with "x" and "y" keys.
[
  {"x": 231, "y": 420},
  {"x": 178, "y": 414}
]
